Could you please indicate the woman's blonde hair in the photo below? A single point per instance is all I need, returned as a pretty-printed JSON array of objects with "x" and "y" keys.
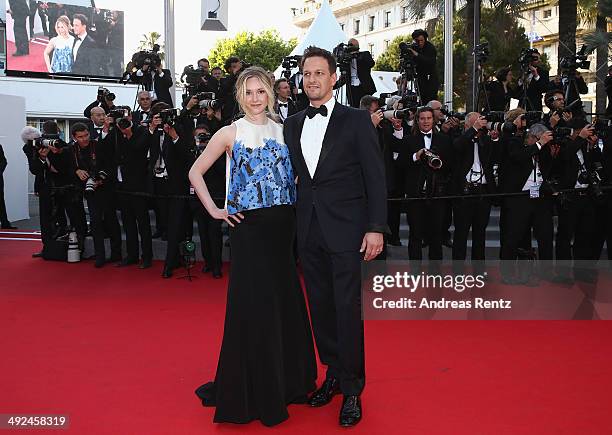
[
  {"x": 264, "y": 78},
  {"x": 65, "y": 21}
]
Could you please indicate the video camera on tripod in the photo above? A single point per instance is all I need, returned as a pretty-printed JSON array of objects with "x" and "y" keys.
[
  {"x": 290, "y": 63},
  {"x": 140, "y": 59},
  {"x": 578, "y": 60},
  {"x": 407, "y": 64},
  {"x": 345, "y": 53},
  {"x": 527, "y": 56}
]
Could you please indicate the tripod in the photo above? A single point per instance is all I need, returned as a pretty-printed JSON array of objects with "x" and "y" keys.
[
  {"x": 482, "y": 89},
  {"x": 409, "y": 85}
]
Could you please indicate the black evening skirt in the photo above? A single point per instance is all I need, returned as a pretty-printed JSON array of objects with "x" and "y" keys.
[{"x": 267, "y": 358}]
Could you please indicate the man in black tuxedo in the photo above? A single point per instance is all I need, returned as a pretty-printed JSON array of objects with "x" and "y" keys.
[
  {"x": 425, "y": 58},
  {"x": 97, "y": 117},
  {"x": 144, "y": 111},
  {"x": 296, "y": 82},
  {"x": 284, "y": 105},
  {"x": 425, "y": 178},
  {"x": 341, "y": 218},
  {"x": 20, "y": 10},
  {"x": 85, "y": 52},
  {"x": 475, "y": 154},
  {"x": 361, "y": 82},
  {"x": 157, "y": 81},
  {"x": 535, "y": 79}
]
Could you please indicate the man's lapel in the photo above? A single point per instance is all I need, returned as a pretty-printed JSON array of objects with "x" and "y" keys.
[{"x": 301, "y": 116}]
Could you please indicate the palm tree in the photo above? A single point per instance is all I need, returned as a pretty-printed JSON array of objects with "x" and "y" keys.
[
  {"x": 598, "y": 12},
  {"x": 148, "y": 42}
]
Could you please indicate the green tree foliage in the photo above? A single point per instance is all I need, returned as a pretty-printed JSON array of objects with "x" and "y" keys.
[
  {"x": 505, "y": 37},
  {"x": 265, "y": 49}
]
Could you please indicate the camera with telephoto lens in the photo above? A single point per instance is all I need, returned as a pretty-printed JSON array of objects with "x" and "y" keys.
[
  {"x": 120, "y": 117},
  {"x": 399, "y": 114},
  {"x": 532, "y": 117},
  {"x": 527, "y": 56},
  {"x": 432, "y": 159},
  {"x": 169, "y": 117},
  {"x": 593, "y": 179},
  {"x": 560, "y": 134},
  {"x": 578, "y": 60},
  {"x": 92, "y": 182},
  {"x": 495, "y": 120},
  {"x": 206, "y": 100},
  {"x": 104, "y": 94},
  {"x": 482, "y": 52},
  {"x": 49, "y": 140},
  {"x": 192, "y": 79},
  {"x": 450, "y": 114},
  {"x": 201, "y": 141}
]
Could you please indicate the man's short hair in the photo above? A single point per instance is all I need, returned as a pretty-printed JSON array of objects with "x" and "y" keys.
[
  {"x": 202, "y": 60},
  {"x": 50, "y": 127},
  {"x": 217, "y": 67},
  {"x": 366, "y": 101},
  {"x": 158, "y": 107},
  {"x": 82, "y": 18},
  {"x": 313, "y": 51},
  {"x": 229, "y": 61},
  {"x": 202, "y": 127},
  {"x": 538, "y": 130},
  {"x": 278, "y": 82},
  {"x": 78, "y": 127},
  {"x": 549, "y": 97},
  {"x": 511, "y": 115},
  {"x": 419, "y": 32},
  {"x": 502, "y": 73},
  {"x": 432, "y": 103}
]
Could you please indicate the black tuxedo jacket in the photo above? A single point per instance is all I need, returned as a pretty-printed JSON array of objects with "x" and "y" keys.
[
  {"x": 535, "y": 90},
  {"x": 291, "y": 108},
  {"x": 131, "y": 158},
  {"x": 162, "y": 87},
  {"x": 19, "y": 9},
  {"x": 364, "y": 72},
  {"x": 176, "y": 157},
  {"x": 426, "y": 69},
  {"x": 347, "y": 192},
  {"x": 570, "y": 164},
  {"x": 87, "y": 62},
  {"x": 518, "y": 164},
  {"x": 419, "y": 172},
  {"x": 488, "y": 153}
]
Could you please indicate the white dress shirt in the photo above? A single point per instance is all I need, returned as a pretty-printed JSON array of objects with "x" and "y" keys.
[
  {"x": 535, "y": 178},
  {"x": 77, "y": 45},
  {"x": 476, "y": 174},
  {"x": 283, "y": 110},
  {"x": 354, "y": 77},
  {"x": 426, "y": 141},
  {"x": 312, "y": 136}
]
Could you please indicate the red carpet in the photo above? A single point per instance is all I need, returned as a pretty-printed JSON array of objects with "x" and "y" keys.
[
  {"x": 35, "y": 61},
  {"x": 121, "y": 351}
]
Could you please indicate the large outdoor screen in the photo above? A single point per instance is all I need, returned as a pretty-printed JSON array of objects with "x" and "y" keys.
[{"x": 68, "y": 38}]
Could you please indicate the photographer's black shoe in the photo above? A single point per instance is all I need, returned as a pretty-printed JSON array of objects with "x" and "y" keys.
[
  {"x": 350, "y": 413},
  {"x": 217, "y": 274},
  {"x": 99, "y": 263},
  {"x": 146, "y": 264},
  {"x": 127, "y": 262},
  {"x": 37, "y": 255},
  {"x": 167, "y": 272}
]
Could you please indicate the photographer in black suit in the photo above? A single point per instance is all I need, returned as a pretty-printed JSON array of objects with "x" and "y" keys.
[
  {"x": 105, "y": 99},
  {"x": 533, "y": 83},
  {"x": 131, "y": 145},
  {"x": 341, "y": 217},
  {"x": 143, "y": 113},
  {"x": 424, "y": 54},
  {"x": 284, "y": 105},
  {"x": 233, "y": 66},
  {"x": 85, "y": 52},
  {"x": 427, "y": 159},
  {"x": 211, "y": 237},
  {"x": 476, "y": 151},
  {"x": 361, "y": 82},
  {"x": 94, "y": 166},
  {"x": 156, "y": 80}
]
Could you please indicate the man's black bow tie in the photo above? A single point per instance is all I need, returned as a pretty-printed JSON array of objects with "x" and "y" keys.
[
  {"x": 312, "y": 111},
  {"x": 283, "y": 105},
  {"x": 426, "y": 135}
]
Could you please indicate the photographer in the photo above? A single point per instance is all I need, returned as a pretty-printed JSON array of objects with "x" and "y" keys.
[
  {"x": 142, "y": 115},
  {"x": 49, "y": 160},
  {"x": 105, "y": 100},
  {"x": 426, "y": 157},
  {"x": 533, "y": 82},
  {"x": 499, "y": 91},
  {"x": 424, "y": 55},
  {"x": 449, "y": 125},
  {"x": 211, "y": 238},
  {"x": 360, "y": 76},
  {"x": 296, "y": 82},
  {"x": 581, "y": 160},
  {"x": 527, "y": 169},
  {"x": 233, "y": 67},
  {"x": 168, "y": 168},
  {"x": 572, "y": 89},
  {"x": 93, "y": 164},
  {"x": 284, "y": 105},
  {"x": 156, "y": 80},
  {"x": 131, "y": 145},
  {"x": 96, "y": 126},
  {"x": 476, "y": 152},
  {"x": 558, "y": 115},
  {"x": 207, "y": 112}
]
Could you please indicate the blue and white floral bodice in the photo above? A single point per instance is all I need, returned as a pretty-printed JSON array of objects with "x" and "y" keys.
[{"x": 259, "y": 172}]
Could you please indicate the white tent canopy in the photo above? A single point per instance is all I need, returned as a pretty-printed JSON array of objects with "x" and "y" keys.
[{"x": 325, "y": 32}]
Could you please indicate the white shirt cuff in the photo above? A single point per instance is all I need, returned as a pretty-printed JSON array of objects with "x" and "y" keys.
[{"x": 414, "y": 157}]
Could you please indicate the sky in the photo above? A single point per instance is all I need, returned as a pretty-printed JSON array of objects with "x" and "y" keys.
[{"x": 144, "y": 16}]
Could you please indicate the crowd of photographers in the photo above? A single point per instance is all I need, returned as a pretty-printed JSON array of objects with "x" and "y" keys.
[{"x": 441, "y": 167}]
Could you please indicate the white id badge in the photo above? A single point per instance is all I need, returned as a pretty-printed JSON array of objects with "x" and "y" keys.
[
  {"x": 191, "y": 190},
  {"x": 534, "y": 191}
]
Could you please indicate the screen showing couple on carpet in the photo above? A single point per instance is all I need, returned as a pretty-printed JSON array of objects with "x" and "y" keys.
[{"x": 64, "y": 38}]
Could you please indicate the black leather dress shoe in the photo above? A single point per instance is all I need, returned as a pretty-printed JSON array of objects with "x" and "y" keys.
[
  {"x": 217, "y": 274},
  {"x": 99, "y": 263},
  {"x": 146, "y": 264},
  {"x": 205, "y": 269},
  {"x": 324, "y": 395},
  {"x": 37, "y": 255},
  {"x": 127, "y": 262},
  {"x": 8, "y": 227},
  {"x": 167, "y": 273},
  {"x": 350, "y": 413}
]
